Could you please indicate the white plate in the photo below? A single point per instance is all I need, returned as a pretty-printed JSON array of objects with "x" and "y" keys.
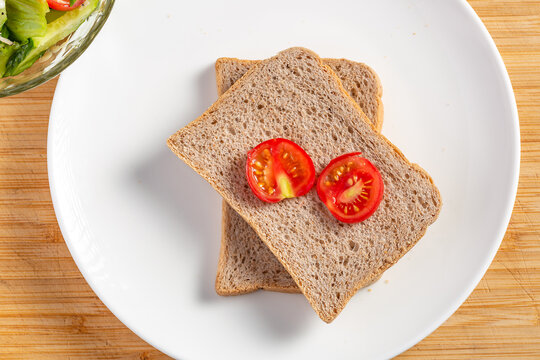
[{"x": 144, "y": 229}]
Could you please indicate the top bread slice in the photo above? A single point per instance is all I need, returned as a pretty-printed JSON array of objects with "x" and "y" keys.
[
  {"x": 245, "y": 264},
  {"x": 295, "y": 96}
]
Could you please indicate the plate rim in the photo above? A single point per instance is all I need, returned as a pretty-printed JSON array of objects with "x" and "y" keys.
[{"x": 439, "y": 320}]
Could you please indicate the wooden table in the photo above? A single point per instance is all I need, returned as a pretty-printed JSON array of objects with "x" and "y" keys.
[{"x": 47, "y": 311}]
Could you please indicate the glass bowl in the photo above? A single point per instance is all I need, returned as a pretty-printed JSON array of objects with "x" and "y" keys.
[{"x": 59, "y": 56}]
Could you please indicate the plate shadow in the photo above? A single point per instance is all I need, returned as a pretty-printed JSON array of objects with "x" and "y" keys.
[{"x": 189, "y": 198}]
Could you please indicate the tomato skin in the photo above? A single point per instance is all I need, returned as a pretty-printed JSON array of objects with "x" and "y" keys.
[
  {"x": 277, "y": 169},
  {"x": 63, "y": 5},
  {"x": 351, "y": 187}
]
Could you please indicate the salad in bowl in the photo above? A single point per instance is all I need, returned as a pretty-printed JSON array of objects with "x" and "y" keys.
[{"x": 40, "y": 38}]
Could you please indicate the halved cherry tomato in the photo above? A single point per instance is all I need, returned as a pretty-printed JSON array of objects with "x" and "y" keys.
[
  {"x": 351, "y": 188},
  {"x": 277, "y": 169},
  {"x": 64, "y": 5}
]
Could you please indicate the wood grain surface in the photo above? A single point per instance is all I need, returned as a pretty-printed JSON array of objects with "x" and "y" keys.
[{"x": 47, "y": 311}]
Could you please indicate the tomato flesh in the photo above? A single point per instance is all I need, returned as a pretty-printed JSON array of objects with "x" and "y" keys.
[
  {"x": 351, "y": 187},
  {"x": 278, "y": 169},
  {"x": 63, "y": 5}
]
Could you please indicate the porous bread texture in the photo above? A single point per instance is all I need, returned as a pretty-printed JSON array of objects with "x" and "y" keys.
[
  {"x": 359, "y": 80},
  {"x": 295, "y": 96},
  {"x": 245, "y": 264},
  {"x": 362, "y": 84}
]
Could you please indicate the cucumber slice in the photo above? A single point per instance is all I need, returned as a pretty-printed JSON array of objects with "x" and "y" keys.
[
  {"x": 26, "y": 18},
  {"x": 5, "y": 54}
]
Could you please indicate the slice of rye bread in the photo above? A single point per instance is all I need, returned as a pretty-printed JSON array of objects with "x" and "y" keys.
[
  {"x": 295, "y": 96},
  {"x": 245, "y": 264},
  {"x": 359, "y": 80}
]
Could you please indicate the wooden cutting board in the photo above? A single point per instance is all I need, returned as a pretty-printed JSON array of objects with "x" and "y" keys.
[{"x": 47, "y": 311}]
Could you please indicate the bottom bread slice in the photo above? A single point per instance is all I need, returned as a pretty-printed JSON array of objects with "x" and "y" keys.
[{"x": 245, "y": 263}]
